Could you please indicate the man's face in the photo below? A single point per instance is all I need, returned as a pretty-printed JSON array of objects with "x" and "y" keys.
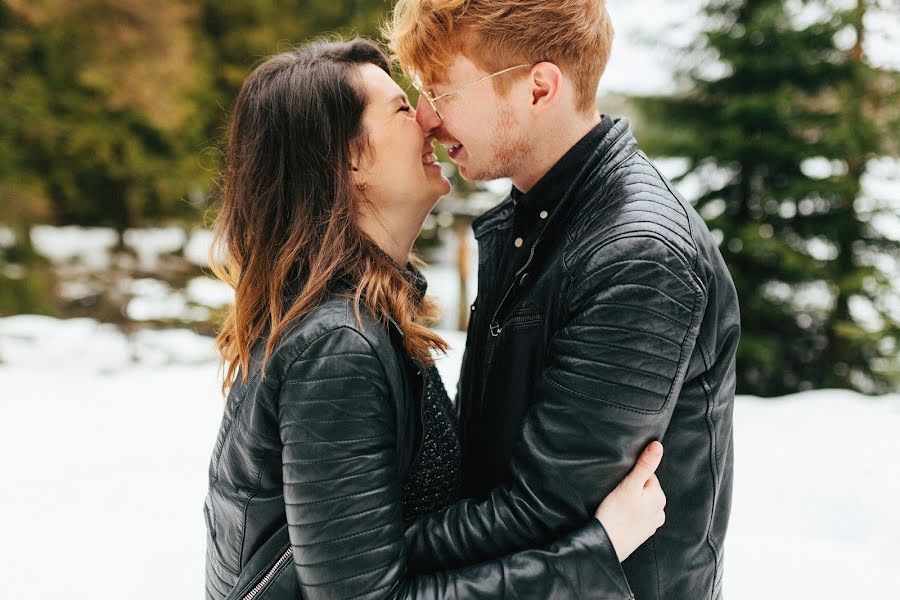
[{"x": 482, "y": 131}]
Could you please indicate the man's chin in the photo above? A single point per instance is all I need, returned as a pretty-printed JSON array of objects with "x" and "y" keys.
[
  {"x": 469, "y": 174},
  {"x": 473, "y": 176}
]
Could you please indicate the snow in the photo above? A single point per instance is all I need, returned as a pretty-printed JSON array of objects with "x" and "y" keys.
[
  {"x": 105, "y": 454},
  {"x": 150, "y": 243},
  {"x": 154, "y": 299},
  {"x": 91, "y": 245},
  {"x": 209, "y": 292},
  {"x": 197, "y": 248}
]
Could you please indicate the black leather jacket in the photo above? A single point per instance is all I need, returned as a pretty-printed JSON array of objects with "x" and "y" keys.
[
  {"x": 304, "y": 484},
  {"x": 620, "y": 326}
]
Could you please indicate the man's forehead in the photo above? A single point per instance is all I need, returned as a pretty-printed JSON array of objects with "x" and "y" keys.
[
  {"x": 453, "y": 70},
  {"x": 428, "y": 78}
]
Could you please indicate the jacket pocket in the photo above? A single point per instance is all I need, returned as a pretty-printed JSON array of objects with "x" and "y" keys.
[
  {"x": 269, "y": 572},
  {"x": 513, "y": 363},
  {"x": 275, "y": 582}
]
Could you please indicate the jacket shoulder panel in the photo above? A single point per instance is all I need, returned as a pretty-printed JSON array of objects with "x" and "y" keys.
[
  {"x": 632, "y": 201},
  {"x": 367, "y": 336}
]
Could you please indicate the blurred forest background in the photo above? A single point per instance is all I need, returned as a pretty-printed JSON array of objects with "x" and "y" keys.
[{"x": 779, "y": 128}]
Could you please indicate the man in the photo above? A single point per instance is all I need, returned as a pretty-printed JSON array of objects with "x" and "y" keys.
[{"x": 605, "y": 317}]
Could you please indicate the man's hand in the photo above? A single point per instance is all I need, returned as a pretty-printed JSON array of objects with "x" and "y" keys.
[{"x": 634, "y": 510}]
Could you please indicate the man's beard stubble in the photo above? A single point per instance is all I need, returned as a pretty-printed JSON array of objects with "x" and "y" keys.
[{"x": 509, "y": 145}]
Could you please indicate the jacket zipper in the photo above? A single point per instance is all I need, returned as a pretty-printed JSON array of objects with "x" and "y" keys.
[
  {"x": 270, "y": 575},
  {"x": 523, "y": 319},
  {"x": 495, "y": 324}
]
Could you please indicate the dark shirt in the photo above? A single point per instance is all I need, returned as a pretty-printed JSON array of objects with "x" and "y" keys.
[{"x": 534, "y": 208}]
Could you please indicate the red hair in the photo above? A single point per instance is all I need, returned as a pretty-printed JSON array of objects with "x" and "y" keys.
[{"x": 576, "y": 35}]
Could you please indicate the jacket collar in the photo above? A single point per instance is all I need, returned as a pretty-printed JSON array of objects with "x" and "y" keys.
[{"x": 580, "y": 167}]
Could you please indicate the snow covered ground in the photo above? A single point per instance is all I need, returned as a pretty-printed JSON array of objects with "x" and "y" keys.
[{"x": 105, "y": 439}]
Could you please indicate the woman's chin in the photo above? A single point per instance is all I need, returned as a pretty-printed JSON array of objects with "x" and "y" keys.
[
  {"x": 445, "y": 187},
  {"x": 438, "y": 184}
]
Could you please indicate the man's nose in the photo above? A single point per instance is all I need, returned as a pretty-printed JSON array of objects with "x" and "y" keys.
[{"x": 426, "y": 117}]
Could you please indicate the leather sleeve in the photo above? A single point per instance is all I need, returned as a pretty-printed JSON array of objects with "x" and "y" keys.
[
  {"x": 343, "y": 504},
  {"x": 615, "y": 369}
]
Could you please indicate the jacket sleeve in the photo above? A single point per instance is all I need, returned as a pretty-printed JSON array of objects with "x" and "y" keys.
[
  {"x": 342, "y": 496},
  {"x": 615, "y": 368}
]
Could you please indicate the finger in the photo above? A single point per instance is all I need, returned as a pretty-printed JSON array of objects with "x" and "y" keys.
[
  {"x": 646, "y": 464},
  {"x": 652, "y": 483}
]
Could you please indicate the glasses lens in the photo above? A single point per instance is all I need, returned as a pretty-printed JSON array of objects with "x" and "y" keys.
[{"x": 417, "y": 83}]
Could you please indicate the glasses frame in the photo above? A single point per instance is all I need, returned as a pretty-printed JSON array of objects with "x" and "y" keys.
[{"x": 417, "y": 83}]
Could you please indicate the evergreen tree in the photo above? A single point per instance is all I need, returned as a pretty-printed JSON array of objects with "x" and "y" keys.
[
  {"x": 235, "y": 36},
  {"x": 778, "y": 124},
  {"x": 91, "y": 104}
]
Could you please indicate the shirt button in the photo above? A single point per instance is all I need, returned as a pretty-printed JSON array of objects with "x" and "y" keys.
[
  {"x": 519, "y": 242},
  {"x": 544, "y": 214}
]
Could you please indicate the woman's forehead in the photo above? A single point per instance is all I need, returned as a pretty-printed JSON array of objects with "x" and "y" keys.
[{"x": 379, "y": 84}]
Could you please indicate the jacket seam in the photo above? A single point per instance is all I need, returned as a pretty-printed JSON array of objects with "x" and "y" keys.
[
  {"x": 656, "y": 567},
  {"x": 713, "y": 463},
  {"x": 663, "y": 180},
  {"x": 247, "y": 507},
  {"x": 348, "y": 578},
  {"x": 643, "y": 229},
  {"x": 356, "y": 514},
  {"x": 231, "y": 421},
  {"x": 676, "y": 252},
  {"x": 296, "y": 356},
  {"x": 604, "y": 400},
  {"x": 339, "y": 539},
  {"x": 687, "y": 217}
]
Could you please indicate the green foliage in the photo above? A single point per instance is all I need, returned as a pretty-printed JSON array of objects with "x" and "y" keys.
[
  {"x": 113, "y": 109},
  {"x": 235, "y": 36},
  {"x": 766, "y": 99}
]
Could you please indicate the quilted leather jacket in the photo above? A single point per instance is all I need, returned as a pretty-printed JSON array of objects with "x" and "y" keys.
[
  {"x": 619, "y": 326},
  {"x": 304, "y": 483}
]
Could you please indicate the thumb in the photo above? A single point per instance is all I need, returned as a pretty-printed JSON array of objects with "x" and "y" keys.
[{"x": 646, "y": 465}]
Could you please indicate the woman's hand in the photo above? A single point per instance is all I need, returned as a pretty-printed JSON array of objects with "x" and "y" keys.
[{"x": 633, "y": 511}]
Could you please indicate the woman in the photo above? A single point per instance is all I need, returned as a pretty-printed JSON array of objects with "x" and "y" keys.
[{"x": 337, "y": 431}]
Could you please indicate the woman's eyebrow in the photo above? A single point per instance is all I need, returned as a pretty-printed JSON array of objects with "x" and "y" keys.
[{"x": 400, "y": 96}]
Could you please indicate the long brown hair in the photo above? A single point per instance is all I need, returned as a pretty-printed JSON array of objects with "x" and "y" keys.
[{"x": 286, "y": 230}]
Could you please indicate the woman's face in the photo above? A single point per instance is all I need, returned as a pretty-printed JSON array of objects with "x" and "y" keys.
[{"x": 400, "y": 172}]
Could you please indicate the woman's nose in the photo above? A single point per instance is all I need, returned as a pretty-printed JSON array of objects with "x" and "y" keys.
[{"x": 426, "y": 117}]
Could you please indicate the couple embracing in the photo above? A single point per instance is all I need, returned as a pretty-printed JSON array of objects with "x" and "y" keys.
[{"x": 606, "y": 322}]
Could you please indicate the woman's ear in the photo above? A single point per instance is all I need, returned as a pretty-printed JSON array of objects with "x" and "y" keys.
[{"x": 357, "y": 178}]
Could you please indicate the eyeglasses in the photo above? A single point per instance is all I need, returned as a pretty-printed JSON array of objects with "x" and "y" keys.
[{"x": 417, "y": 83}]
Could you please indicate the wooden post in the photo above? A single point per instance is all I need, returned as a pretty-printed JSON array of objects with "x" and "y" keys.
[{"x": 462, "y": 263}]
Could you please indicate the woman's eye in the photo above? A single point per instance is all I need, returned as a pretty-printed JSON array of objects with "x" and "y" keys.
[{"x": 404, "y": 108}]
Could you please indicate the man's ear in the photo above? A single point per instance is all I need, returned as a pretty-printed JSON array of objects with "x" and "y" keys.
[{"x": 546, "y": 81}]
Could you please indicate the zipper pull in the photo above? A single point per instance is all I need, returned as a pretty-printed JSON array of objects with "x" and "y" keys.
[{"x": 495, "y": 329}]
